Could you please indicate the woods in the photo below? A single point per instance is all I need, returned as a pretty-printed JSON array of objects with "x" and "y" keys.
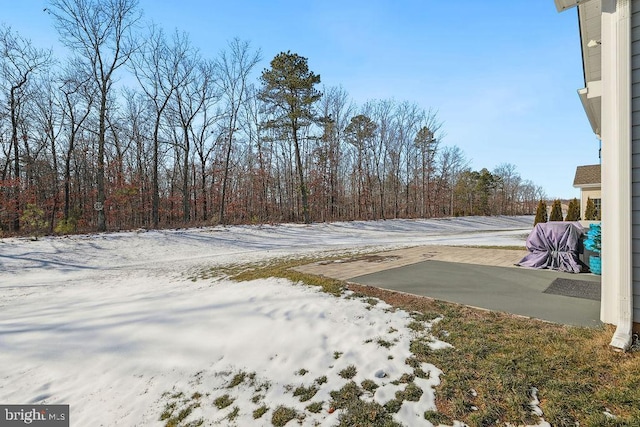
[{"x": 134, "y": 127}]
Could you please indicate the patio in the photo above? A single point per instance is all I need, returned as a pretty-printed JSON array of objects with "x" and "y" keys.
[{"x": 477, "y": 277}]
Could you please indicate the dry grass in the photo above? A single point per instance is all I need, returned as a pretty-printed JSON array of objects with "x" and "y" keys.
[
  {"x": 498, "y": 359},
  {"x": 496, "y": 362},
  {"x": 276, "y": 268}
]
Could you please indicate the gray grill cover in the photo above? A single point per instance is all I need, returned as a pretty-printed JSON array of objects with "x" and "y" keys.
[{"x": 554, "y": 245}]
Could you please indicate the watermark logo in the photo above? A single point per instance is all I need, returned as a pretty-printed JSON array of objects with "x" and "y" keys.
[{"x": 34, "y": 415}]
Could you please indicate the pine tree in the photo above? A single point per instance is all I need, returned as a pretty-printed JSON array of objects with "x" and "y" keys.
[
  {"x": 33, "y": 221},
  {"x": 590, "y": 211},
  {"x": 556, "y": 211},
  {"x": 288, "y": 87},
  {"x": 573, "y": 213},
  {"x": 541, "y": 213}
]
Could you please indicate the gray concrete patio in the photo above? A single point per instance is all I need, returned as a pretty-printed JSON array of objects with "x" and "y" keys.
[{"x": 477, "y": 277}]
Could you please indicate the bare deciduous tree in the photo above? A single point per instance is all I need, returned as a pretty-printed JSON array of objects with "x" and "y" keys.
[
  {"x": 78, "y": 99},
  {"x": 19, "y": 61},
  {"x": 233, "y": 68},
  {"x": 337, "y": 110},
  {"x": 157, "y": 67},
  {"x": 193, "y": 137},
  {"x": 49, "y": 122},
  {"x": 98, "y": 32},
  {"x": 189, "y": 99}
]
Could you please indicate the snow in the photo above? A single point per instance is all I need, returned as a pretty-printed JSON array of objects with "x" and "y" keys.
[{"x": 114, "y": 325}]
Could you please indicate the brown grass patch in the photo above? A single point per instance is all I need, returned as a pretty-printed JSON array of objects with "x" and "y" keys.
[{"x": 502, "y": 357}]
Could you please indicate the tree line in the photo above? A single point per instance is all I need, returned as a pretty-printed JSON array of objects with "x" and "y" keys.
[{"x": 136, "y": 128}]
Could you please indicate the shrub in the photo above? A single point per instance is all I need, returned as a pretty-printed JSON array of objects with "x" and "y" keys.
[
  {"x": 590, "y": 211},
  {"x": 66, "y": 226},
  {"x": 541, "y": 212},
  {"x": 556, "y": 211},
  {"x": 33, "y": 221},
  {"x": 573, "y": 213}
]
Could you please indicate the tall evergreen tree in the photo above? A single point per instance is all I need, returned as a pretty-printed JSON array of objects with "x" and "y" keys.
[
  {"x": 556, "y": 211},
  {"x": 288, "y": 89},
  {"x": 486, "y": 183},
  {"x": 541, "y": 213},
  {"x": 590, "y": 211},
  {"x": 573, "y": 212}
]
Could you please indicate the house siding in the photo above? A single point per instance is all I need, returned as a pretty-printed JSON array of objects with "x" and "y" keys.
[{"x": 635, "y": 150}]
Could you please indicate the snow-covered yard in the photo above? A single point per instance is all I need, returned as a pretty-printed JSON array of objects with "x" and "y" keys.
[{"x": 112, "y": 324}]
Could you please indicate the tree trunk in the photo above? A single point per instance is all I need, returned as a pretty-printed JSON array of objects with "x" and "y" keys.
[
  {"x": 155, "y": 188},
  {"x": 16, "y": 160},
  {"x": 67, "y": 180},
  {"x": 303, "y": 187},
  {"x": 223, "y": 196},
  {"x": 102, "y": 220},
  {"x": 186, "y": 199},
  {"x": 56, "y": 185},
  {"x": 203, "y": 188}
]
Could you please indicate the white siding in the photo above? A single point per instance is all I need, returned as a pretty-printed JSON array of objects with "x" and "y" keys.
[{"x": 635, "y": 136}]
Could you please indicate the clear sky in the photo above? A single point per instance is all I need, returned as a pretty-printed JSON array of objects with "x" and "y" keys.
[{"x": 502, "y": 75}]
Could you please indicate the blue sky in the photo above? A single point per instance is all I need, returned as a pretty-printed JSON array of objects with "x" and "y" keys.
[{"x": 502, "y": 75}]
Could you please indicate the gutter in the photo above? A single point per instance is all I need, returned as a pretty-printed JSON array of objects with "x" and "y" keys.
[{"x": 584, "y": 69}]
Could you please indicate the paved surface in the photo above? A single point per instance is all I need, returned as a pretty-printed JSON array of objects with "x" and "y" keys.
[{"x": 483, "y": 278}]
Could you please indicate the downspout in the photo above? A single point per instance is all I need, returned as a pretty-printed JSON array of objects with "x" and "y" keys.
[
  {"x": 622, "y": 337},
  {"x": 616, "y": 117}
]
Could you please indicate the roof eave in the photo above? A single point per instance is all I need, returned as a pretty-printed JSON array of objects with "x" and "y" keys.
[
  {"x": 588, "y": 186},
  {"x": 562, "y": 5},
  {"x": 591, "y": 108}
]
